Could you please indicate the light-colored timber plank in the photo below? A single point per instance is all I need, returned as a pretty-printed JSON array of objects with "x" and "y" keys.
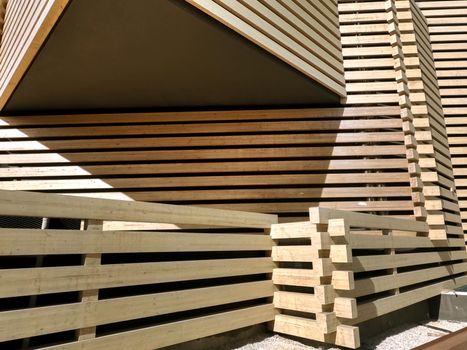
[
  {"x": 51, "y": 319},
  {"x": 19, "y": 282}
]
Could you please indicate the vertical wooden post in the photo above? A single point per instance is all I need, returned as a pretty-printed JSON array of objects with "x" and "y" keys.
[
  {"x": 93, "y": 294},
  {"x": 270, "y": 325},
  {"x": 393, "y": 271}
]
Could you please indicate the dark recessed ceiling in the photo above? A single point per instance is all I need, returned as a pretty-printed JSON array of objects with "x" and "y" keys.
[{"x": 146, "y": 54}]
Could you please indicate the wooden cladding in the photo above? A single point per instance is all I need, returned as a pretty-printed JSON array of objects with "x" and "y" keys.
[
  {"x": 270, "y": 161},
  {"x": 303, "y": 33},
  {"x": 27, "y": 25},
  {"x": 448, "y": 33},
  {"x": 388, "y": 60},
  {"x": 425, "y": 107},
  {"x": 375, "y": 72},
  {"x": 369, "y": 66}
]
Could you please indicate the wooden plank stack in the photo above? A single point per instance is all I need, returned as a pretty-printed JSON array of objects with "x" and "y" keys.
[
  {"x": 375, "y": 74},
  {"x": 362, "y": 266},
  {"x": 305, "y": 296},
  {"x": 122, "y": 290},
  {"x": 448, "y": 33},
  {"x": 396, "y": 31},
  {"x": 268, "y": 161},
  {"x": 368, "y": 61},
  {"x": 428, "y": 119}
]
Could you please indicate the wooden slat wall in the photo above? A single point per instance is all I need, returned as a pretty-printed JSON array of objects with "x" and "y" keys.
[
  {"x": 447, "y": 22},
  {"x": 27, "y": 24},
  {"x": 303, "y": 33},
  {"x": 428, "y": 119},
  {"x": 368, "y": 62},
  {"x": 375, "y": 73},
  {"x": 271, "y": 161},
  {"x": 100, "y": 289}
]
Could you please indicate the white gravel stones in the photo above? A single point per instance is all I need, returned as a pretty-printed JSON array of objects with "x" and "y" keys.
[{"x": 405, "y": 337}]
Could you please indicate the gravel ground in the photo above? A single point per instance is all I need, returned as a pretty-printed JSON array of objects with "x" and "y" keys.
[{"x": 405, "y": 337}]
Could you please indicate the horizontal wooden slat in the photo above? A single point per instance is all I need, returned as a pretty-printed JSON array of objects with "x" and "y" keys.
[
  {"x": 379, "y": 262},
  {"x": 373, "y": 285},
  {"x": 200, "y": 128},
  {"x": 35, "y": 281},
  {"x": 51, "y": 319},
  {"x": 296, "y": 277},
  {"x": 362, "y": 241},
  {"x": 176, "y": 332},
  {"x": 298, "y": 302},
  {"x": 322, "y": 215},
  {"x": 385, "y": 305},
  {"x": 44, "y": 242},
  {"x": 51, "y": 205}
]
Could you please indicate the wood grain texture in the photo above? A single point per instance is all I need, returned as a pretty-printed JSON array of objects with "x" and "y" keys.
[{"x": 204, "y": 274}]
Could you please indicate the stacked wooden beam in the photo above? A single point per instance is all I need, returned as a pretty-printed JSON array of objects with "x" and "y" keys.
[
  {"x": 448, "y": 33},
  {"x": 373, "y": 265},
  {"x": 305, "y": 297},
  {"x": 426, "y": 112},
  {"x": 366, "y": 47},
  {"x": 375, "y": 73},
  {"x": 372, "y": 31},
  {"x": 270, "y": 161},
  {"x": 403, "y": 90}
]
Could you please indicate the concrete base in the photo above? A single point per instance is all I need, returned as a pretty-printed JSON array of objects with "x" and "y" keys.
[
  {"x": 414, "y": 313},
  {"x": 224, "y": 341},
  {"x": 230, "y": 340},
  {"x": 453, "y": 306}
]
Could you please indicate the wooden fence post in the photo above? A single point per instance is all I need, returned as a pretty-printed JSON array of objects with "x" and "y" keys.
[{"x": 93, "y": 259}]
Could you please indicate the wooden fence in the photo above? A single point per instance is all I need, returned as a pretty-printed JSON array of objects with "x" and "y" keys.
[
  {"x": 99, "y": 289},
  {"x": 341, "y": 269},
  {"x": 104, "y": 289}
]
